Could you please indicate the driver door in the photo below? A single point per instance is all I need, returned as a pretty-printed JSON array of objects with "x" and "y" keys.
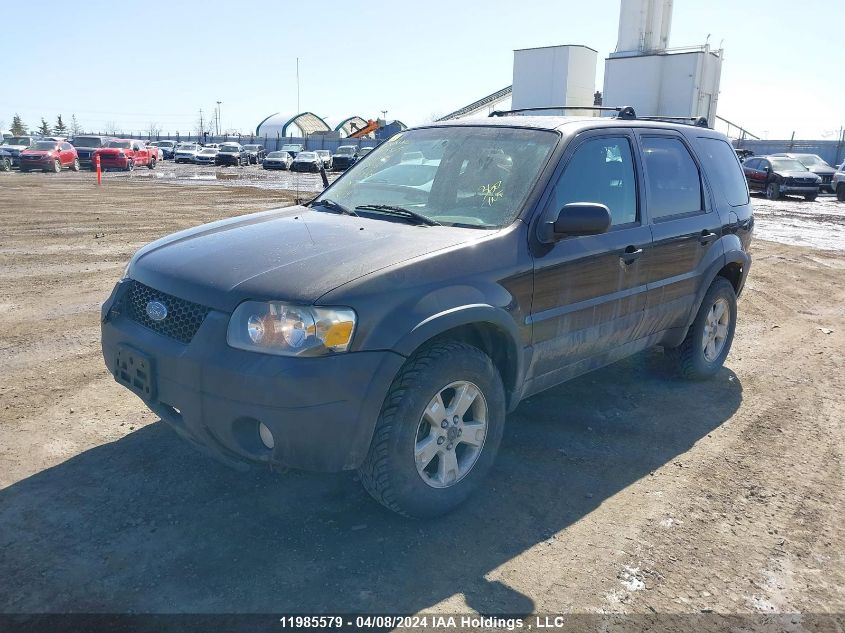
[{"x": 590, "y": 291}]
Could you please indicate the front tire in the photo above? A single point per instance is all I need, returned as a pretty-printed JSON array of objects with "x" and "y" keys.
[
  {"x": 773, "y": 191},
  {"x": 840, "y": 192},
  {"x": 130, "y": 165},
  {"x": 438, "y": 432},
  {"x": 709, "y": 339},
  {"x": 152, "y": 164},
  {"x": 5, "y": 164},
  {"x": 811, "y": 197},
  {"x": 57, "y": 166},
  {"x": 75, "y": 165}
]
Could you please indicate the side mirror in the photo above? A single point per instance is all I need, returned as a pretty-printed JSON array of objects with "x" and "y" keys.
[
  {"x": 767, "y": 169},
  {"x": 578, "y": 218}
]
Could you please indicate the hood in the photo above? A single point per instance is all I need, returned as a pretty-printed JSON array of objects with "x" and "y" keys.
[
  {"x": 39, "y": 152},
  {"x": 822, "y": 170},
  {"x": 15, "y": 148},
  {"x": 293, "y": 254}
]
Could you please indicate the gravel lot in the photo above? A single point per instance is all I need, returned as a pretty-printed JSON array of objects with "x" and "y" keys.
[{"x": 624, "y": 491}]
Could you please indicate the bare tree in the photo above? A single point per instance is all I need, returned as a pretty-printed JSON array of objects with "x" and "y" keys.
[
  {"x": 153, "y": 129},
  {"x": 111, "y": 128},
  {"x": 75, "y": 128}
]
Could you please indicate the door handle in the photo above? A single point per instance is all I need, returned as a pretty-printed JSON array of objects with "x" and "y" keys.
[
  {"x": 707, "y": 236},
  {"x": 631, "y": 254}
]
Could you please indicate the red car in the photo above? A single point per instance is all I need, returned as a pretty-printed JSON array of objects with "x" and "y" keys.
[
  {"x": 126, "y": 154},
  {"x": 49, "y": 156}
]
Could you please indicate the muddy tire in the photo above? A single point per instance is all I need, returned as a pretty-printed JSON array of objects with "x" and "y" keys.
[
  {"x": 438, "y": 432},
  {"x": 773, "y": 191},
  {"x": 75, "y": 165},
  {"x": 709, "y": 339}
]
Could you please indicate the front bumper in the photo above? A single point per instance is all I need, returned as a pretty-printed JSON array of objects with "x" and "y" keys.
[
  {"x": 305, "y": 167},
  {"x": 321, "y": 411},
  {"x": 799, "y": 189},
  {"x": 38, "y": 163},
  {"x": 114, "y": 162},
  {"x": 227, "y": 160}
]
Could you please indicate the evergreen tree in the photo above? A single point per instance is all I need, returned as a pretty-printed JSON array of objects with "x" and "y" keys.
[
  {"x": 18, "y": 128},
  {"x": 75, "y": 128},
  {"x": 60, "y": 129},
  {"x": 44, "y": 128}
]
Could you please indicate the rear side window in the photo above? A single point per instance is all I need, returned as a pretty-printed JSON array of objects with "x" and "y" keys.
[
  {"x": 602, "y": 171},
  {"x": 674, "y": 184},
  {"x": 722, "y": 167}
]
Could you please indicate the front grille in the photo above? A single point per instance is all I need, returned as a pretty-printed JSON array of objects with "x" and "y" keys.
[
  {"x": 827, "y": 179},
  {"x": 183, "y": 317}
]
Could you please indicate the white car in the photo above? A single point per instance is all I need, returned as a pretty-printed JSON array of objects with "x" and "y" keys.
[
  {"x": 206, "y": 156},
  {"x": 838, "y": 183},
  {"x": 186, "y": 152}
]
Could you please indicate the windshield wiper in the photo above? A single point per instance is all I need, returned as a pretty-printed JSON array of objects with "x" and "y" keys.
[
  {"x": 334, "y": 206},
  {"x": 399, "y": 211}
]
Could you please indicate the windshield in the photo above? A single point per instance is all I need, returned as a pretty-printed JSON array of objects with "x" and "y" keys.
[
  {"x": 811, "y": 160},
  {"x": 787, "y": 164},
  {"x": 119, "y": 144},
  {"x": 346, "y": 150},
  {"x": 229, "y": 148},
  {"x": 187, "y": 147},
  {"x": 48, "y": 145},
  {"x": 277, "y": 155},
  {"x": 289, "y": 148},
  {"x": 251, "y": 147},
  {"x": 306, "y": 156},
  {"x": 473, "y": 176},
  {"x": 163, "y": 143},
  {"x": 209, "y": 151},
  {"x": 87, "y": 141},
  {"x": 323, "y": 152},
  {"x": 17, "y": 140}
]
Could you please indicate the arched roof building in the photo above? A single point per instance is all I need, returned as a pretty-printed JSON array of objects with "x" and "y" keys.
[{"x": 302, "y": 124}]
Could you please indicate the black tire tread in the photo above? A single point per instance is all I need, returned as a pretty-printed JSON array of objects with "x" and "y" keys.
[
  {"x": 374, "y": 472},
  {"x": 684, "y": 354}
]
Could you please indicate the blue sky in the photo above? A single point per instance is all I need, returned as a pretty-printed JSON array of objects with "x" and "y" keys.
[{"x": 136, "y": 63}]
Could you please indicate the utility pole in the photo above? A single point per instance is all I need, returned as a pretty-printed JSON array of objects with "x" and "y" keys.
[
  {"x": 297, "y": 86},
  {"x": 384, "y": 115},
  {"x": 219, "y": 123}
]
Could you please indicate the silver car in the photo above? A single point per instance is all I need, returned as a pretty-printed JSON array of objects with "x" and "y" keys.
[{"x": 186, "y": 152}]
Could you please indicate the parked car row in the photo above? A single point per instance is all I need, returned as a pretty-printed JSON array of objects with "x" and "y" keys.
[{"x": 794, "y": 174}]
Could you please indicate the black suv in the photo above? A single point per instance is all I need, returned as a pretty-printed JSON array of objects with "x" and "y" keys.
[
  {"x": 390, "y": 324},
  {"x": 231, "y": 154}
]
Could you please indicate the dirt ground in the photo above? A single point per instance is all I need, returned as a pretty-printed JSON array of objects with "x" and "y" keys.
[{"x": 624, "y": 491}]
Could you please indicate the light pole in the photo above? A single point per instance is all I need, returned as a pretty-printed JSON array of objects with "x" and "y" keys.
[
  {"x": 384, "y": 115},
  {"x": 219, "y": 125}
]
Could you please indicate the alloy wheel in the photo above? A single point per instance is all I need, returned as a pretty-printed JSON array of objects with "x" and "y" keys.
[{"x": 716, "y": 327}]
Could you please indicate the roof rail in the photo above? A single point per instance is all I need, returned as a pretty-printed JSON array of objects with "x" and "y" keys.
[
  {"x": 697, "y": 121},
  {"x": 496, "y": 113},
  {"x": 625, "y": 113}
]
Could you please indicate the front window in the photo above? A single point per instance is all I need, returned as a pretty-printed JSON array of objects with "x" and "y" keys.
[
  {"x": 306, "y": 156},
  {"x": 469, "y": 176},
  {"x": 88, "y": 141},
  {"x": 229, "y": 149},
  {"x": 119, "y": 144},
  {"x": 345, "y": 150},
  {"x": 277, "y": 155},
  {"x": 251, "y": 147},
  {"x": 45, "y": 145},
  {"x": 787, "y": 164},
  {"x": 17, "y": 140}
]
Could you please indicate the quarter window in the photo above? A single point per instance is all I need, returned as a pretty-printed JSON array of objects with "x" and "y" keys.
[
  {"x": 723, "y": 169},
  {"x": 674, "y": 184},
  {"x": 602, "y": 171}
]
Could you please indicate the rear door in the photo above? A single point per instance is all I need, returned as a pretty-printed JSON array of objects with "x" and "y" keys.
[
  {"x": 684, "y": 227},
  {"x": 589, "y": 291},
  {"x": 67, "y": 154}
]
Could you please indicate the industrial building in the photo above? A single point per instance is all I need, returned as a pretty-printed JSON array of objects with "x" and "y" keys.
[
  {"x": 642, "y": 72},
  {"x": 306, "y": 124}
]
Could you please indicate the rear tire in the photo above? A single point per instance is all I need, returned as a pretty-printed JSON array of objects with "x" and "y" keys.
[
  {"x": 419, "y": 465},
  {"x": 773, "y": 191},
  {"x": 694, "y": 357},
  {"x": 130, "y": 165},
  {"x": 75, "y": 165},
  {"x": 840, "y": 192},
  {"x": 5, "y": 164},
  {"x": 152, "y": 164}
]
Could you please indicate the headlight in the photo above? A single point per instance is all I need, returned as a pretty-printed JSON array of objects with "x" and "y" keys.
[{"x": 290, "y": 330}]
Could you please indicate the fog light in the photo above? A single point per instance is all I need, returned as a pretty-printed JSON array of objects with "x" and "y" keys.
[{"x": 266, "y": 436}]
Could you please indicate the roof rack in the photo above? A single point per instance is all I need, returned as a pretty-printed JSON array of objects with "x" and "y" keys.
[
  {"x": 496, "y": 113},
  {"x": 625, "y": 113}
]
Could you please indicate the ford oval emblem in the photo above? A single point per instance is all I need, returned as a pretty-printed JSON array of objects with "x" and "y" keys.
[{"x": 156, "y": 310}]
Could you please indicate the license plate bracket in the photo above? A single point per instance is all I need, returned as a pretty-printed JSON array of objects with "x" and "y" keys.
[{"x": 136, "y": 371}]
